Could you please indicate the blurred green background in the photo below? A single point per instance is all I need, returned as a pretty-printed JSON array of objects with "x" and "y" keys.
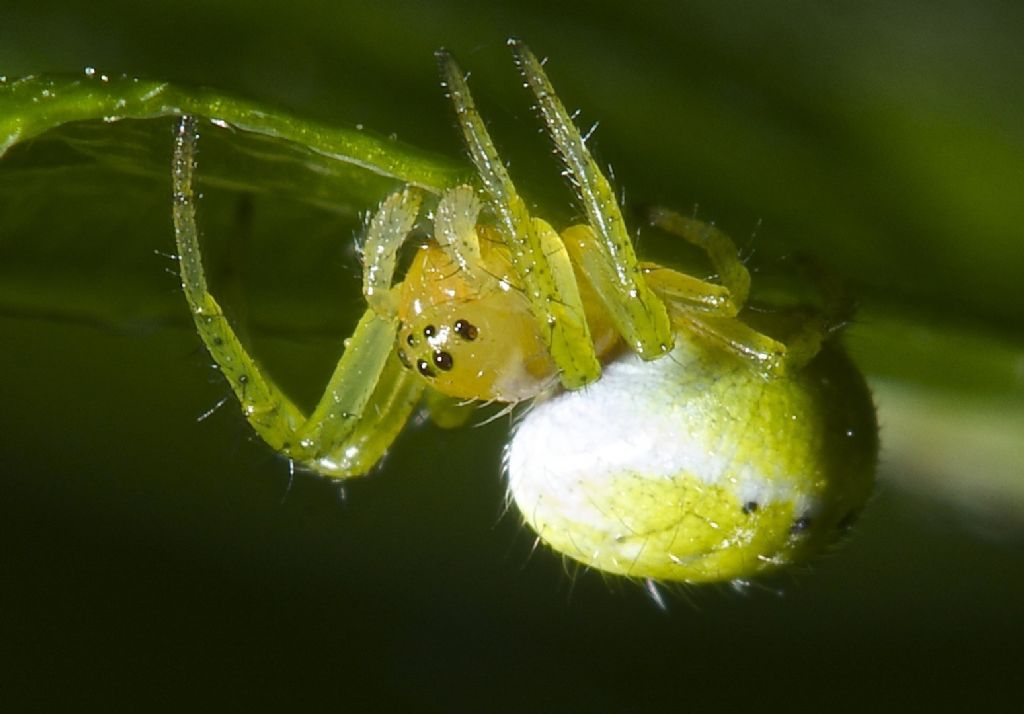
[{"x": 148, "y": 557}]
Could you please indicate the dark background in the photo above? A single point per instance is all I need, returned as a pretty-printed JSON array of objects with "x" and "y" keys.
[{"x": 148, "y": 558}]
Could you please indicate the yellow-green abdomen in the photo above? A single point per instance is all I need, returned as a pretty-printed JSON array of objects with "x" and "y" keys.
[{"x": 695, "y": 468}]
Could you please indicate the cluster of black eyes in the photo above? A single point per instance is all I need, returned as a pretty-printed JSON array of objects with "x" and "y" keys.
[{"x": 441, "y": 359}]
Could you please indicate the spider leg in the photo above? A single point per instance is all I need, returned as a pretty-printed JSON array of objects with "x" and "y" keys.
[
  {"x": 768, "y": 356},
  {"x": 639, "y": 316},
  {"x": 367, "y": 401},
  {"x": 689, "y": 293},
  {"x": 455, "y": 231},
  {"x": 271, "y": 413},
  {"x": 719, "y": 247},
  {"x": 388, "y": 229},
  {"x": 370, "y": 395},
  {"x": 538, "y": 257},
  {"x": 709, "y": 312},
  {"x": 368, "y": 398},
  {"x": 674, "y": 288}
]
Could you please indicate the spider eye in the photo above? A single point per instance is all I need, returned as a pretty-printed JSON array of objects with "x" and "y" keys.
[
  {"x": 424, "y": 368},
  {"x": 443, "y": 360},
  {"x": 429, "y": 331},
  {"x": 466, "y": 330}
]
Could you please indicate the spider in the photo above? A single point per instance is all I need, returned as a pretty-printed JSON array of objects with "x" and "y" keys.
[{"x": 667, "y": 439}]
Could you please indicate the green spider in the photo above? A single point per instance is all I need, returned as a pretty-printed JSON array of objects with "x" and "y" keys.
[{"x": 667, "y": 438}]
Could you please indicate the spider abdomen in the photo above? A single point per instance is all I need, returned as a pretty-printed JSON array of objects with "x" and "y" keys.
[{"x": 695, "y": 468}]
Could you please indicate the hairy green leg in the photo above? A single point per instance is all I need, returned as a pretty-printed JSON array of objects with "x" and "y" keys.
[
  {"x": 637, "y": 313},
  {"x": 719, "y": 247},
  {"x": 271, "y": 413},
  {"x": 368, "y": 399},
  {"x": 387, "y": 231},
  {"x": 708, "y": 309},
  {"x": 694, "y": 305},
  {"x": 772, "y": 356},
  {"x": 676, "y": 289},
  {"x": 682, "y": 291},
  {"x": 545, "y": 272},
  {"x": 768, "y": 356},
  {"x": 455, "y": 231},
  {"x": 366, "y": 403}
]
